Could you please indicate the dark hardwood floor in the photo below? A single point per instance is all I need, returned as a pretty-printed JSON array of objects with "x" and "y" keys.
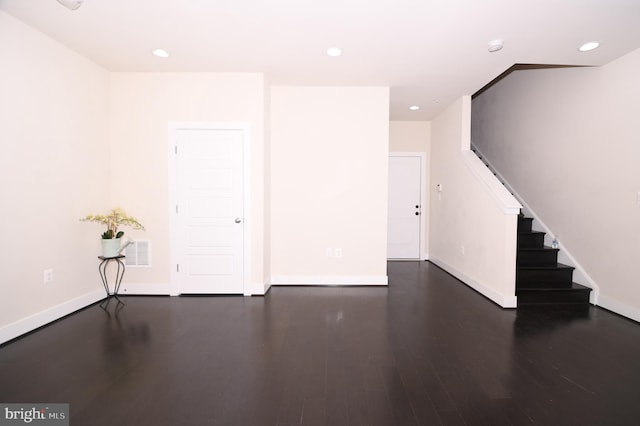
[{"x": 427, "y": 350}]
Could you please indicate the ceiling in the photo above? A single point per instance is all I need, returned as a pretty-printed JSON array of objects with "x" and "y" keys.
[{"x": 429, "y": 52}]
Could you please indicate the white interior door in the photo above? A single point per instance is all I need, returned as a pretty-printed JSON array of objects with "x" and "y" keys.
[
  {"x": 405, "y": 209},
  {"x": 210, "y": 222}
]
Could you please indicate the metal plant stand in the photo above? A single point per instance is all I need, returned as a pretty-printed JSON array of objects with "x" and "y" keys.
[{"x": 102, "y": 268}]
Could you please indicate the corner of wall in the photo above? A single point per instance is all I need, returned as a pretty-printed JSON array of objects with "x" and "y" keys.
[{"x": 473, "y": 220}]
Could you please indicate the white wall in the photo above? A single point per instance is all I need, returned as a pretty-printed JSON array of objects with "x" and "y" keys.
[
  {"x": 473, "y": 224},
  {"x": 54, "y": 169},
  {"x": 410, "y": 136},
  {"x": 415, "y": 136},
  {"x": 142, "y": 105},
  {"x": 567, "y": 141},
  {"x": 329, "y": 163}
]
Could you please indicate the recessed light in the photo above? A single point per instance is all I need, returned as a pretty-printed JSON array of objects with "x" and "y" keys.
[
  {"x": 334, "y": 51},
  {"x": 414, "y": 107},
  {"x": 495, "y": 45},
  {"x": 160, "y": 53},
  {"x": 589, "y": 46},
  {"x": 71, "y": 4}
]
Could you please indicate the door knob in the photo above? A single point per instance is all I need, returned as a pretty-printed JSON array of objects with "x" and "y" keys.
[{"x": 238, "y": 220}]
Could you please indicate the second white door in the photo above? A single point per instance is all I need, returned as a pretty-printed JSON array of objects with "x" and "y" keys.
[
  {"x": 210, "y": 221},
  {"x": 405, "y": 209}
]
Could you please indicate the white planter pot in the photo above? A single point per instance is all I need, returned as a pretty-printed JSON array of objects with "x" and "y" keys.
[{"x": 111, "y": 247}]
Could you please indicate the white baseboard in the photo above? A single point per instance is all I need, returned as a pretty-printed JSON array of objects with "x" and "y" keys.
[
  {"x": 503, "y": 300},
  {"x": 145, "y": 289},
  {"x": 25, "y": 325},
  {"x": 164, "y": 289},
  {"x": 330, "y": 280},
  {"x": 425, "y": 257},
  {"x": 265, "y": 288},
  {"x": 257, "y": 289},
  {"x": 631, "y": 312}
]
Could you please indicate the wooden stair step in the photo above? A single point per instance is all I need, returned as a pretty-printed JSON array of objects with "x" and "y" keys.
[
  {"x": 531, "y": 239},
  {"x": 524, "y": 224},
  {"x": 537, "y": 256},
  {"x": 558, "y": 275},
  {"x": 577, "y": 293}
]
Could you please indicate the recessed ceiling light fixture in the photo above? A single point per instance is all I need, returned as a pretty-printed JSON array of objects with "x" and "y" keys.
[
  {"x": 71, "y": 4},
  {"x": 589, "y": 46},
  {"x": 495, "y": 45},
  {"x": 414, "y": 107},
  {"x": 160, "y": 53},
  {"x": 334, "y": 51}
]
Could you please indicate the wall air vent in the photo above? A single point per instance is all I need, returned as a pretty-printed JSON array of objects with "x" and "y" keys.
[{"x": 138, "y": 253}]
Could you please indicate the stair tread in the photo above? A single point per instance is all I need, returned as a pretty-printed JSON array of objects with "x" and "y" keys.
[
  {"x": 575, "y": 287},
  {"x": 542, "y": 267},
  {"x": 531, "y": 232},
  {"x": 545, "y": 248}
]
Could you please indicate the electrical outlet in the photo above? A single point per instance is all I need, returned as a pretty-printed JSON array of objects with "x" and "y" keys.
[
  {"x": 338, "y": 252},
  {"x": 48, "y": 276},
  {"x": 328, "y": 252}
]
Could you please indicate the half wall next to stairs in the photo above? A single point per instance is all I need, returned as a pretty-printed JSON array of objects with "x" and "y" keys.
[{"x": 473, "y": 226}]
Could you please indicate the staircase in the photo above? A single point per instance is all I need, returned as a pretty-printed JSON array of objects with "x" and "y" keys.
[{"x": 540, "y": 279}]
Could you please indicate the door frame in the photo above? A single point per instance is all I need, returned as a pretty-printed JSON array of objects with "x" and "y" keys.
[
  {"x": 424, "y": 207},
  {"x": 173, "y": 128}
]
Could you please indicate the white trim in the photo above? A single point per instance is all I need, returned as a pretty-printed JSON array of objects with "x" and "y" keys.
[
  {"x": 164, "y": 289},
  {"x": 173, "y": 225},
  {"x": 424, "y": 206},
  {"x": 504, "y": 300},
  {"x": 260, "y": 289},
  {"x": 620, "y": 308},
  {"x": 173, "y": 127},
  {"x": 146, "y": 289},
  {"x": 246, "y": 243},
  {"x": 25, "y": 325},
  {"x": 564, "y": 256},
  {"x": 400, "y": 259},
  {"x": 507, "y": 202},
  {"x": 330, "y": 280}
]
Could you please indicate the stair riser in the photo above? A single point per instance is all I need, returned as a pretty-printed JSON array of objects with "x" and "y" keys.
[
  {"x": 524, "y": 224},
  {"x": 544, "y": 277},
  {"x": 530, "y": 240},
  {"x": 538, "y": 258},
  {"x": 536, "y": 297}
]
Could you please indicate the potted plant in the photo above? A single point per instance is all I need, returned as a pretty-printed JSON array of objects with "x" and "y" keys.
[{"x": 111, "y": 238}]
